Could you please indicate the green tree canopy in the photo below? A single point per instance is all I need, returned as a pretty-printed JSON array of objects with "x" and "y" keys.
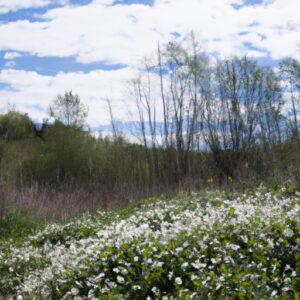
[{"x": 15, "y": 125}]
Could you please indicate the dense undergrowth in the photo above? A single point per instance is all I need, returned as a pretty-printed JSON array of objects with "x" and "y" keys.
[{"x": 209, "y": 245}]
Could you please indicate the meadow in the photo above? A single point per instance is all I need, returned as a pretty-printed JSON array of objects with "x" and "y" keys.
[{"x": 206, "y": 245}]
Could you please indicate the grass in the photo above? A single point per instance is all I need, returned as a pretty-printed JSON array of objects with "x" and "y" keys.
[
  {"x": 200, "y": 246},
  {"x": 17, "y": 225}
]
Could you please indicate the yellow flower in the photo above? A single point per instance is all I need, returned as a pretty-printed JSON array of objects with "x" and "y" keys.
[{"x": 210, "y": 180}]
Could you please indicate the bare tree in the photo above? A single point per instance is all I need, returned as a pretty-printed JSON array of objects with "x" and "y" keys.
[
  {"x": 69, "y": 110},
  {"x": 112, "y": 118},
  {"x": 290, "y": 71}
]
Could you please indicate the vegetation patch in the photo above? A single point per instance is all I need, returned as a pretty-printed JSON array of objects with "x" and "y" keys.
[{"x": 202, "y": 246}]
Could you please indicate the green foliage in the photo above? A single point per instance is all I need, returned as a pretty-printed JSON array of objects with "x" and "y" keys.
[
  {"x": 14, "y": 126},
  {"x": 17, "y": 225}
]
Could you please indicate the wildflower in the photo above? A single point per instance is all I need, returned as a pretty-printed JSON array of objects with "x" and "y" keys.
[
  {"x": 214, "y": 261},
  {"x": 100, "y": 277},
  {"x": 159, "y": 264},
  {"x": 150, "y": 261},
  {"x": 124, "y": 271},
  {"x": 184, "y": 265},
  {"x": 186, "y": 244},
  {"x": 274, "y": 293},
  {"x": 120, "y": 279},
  {"x": 74, "y": 291},
  {"x": 194, "y": 277},
  {"x": 179, "y": 250},
  {"x": 234, "y": 247},
  {"x": 287, "y": 280},
  {"x": 178, "y": 280},
  {"x": 288, "y": 232},
  {"x": 287, "y": 267}
]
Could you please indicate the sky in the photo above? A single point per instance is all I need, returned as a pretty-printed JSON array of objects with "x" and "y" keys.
[{"x": 94, "y": 47}]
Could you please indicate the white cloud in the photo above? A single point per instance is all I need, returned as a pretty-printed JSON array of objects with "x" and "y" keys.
[
  {"x": 10, "y": 64},
  {"x": 123, "y": 34},
  {"x": 13, "y": 5},
  {"x": 32, "y": 92},
  {"x": 11, "y": 55}
]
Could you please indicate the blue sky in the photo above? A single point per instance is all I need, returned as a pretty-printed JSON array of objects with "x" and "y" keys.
[{"x": 94, "y": 46}]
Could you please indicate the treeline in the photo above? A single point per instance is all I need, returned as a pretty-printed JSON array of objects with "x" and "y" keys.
[
  {"x": 237, "y": 111},
  {"x": 201, "y": 122}
]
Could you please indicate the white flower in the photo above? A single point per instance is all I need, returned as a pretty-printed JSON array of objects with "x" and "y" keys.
[
  {"x": 270, "y": 243},
  {"x": 100, "y": 277},
  {"x": 234, "y": 247},
  {"x": 160, "y": 264},
  {"x": 74, "y": 291},
  {"x": 186, "y": 244},
  {"x": 178, "y": 280},
  {"x": 179, "y": 250},
  {"x": 244, "y": 238},
  {"x": 274, "y": 293},
  {"x": 155, "y": 290},
  {"x": 124, "y": 271},
  {"x": 214, "y": 261},
  {"x": 136, "y": 259},
  {"x": 120, "y": 279},
  {"x": 288, "y": 232},
  {"x": 136, "y": 287},
  {"x": 287, "y": 267},
  {"x": 19, "y": 297},
  {"x": 184, "y": 265},
  {"x": 287, "y": 280}
]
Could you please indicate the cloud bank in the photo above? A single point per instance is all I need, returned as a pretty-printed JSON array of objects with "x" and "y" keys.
[{"x": 109, "y": 33}]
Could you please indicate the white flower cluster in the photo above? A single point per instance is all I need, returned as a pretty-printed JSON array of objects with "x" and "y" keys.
[{"x": 195, "y": 247}]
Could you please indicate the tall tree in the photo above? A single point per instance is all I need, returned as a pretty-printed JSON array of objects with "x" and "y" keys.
[
  {"x": 290, "y": 70},
  {"x": 68, "y": 110}
]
